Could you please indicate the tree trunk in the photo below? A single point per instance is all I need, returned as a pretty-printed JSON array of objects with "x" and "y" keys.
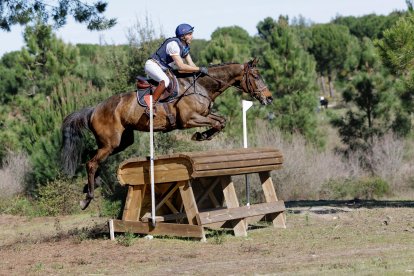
[
  {"x": 331, "y": 87},
  {"x": 323, "y": 86}
]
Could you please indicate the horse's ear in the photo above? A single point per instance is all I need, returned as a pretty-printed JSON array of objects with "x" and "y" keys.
[{"x": 254, "y": 62}]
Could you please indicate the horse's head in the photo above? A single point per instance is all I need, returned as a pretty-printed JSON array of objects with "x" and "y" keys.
[{"x": 253, "y": 83}]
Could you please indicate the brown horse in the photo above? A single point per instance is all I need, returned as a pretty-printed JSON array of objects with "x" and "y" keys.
[{"x": 113, "y": 121}]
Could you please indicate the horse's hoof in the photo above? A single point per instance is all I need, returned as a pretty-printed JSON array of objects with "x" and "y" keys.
[
  {"x": 85, "y": 203},
  {"x": 198, "y": 137}
]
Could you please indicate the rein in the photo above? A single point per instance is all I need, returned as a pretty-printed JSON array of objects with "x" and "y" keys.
[{"x": 246, "y": 80}]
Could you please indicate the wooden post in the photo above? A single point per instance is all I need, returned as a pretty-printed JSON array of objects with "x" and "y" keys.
[
  {"x": 270, "y": 196},
  {"x": 133, "y": 202},
  {"x": 239, "y": 226},
  {"x": 190, "y": 205}
]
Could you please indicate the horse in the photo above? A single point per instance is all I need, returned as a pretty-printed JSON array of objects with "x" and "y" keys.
[{"x": 113, "y": 121}]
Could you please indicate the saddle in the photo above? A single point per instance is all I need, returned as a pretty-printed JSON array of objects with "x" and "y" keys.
[{"x": 145, "y": 86}]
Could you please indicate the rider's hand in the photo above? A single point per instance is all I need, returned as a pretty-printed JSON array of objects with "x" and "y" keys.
[{"x": 203, "y": 70}]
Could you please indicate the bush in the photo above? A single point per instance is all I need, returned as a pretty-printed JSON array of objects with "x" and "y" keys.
[
  {"x": 59, "y": 197},
  {"x": 364, "y": 188},
  {"x": 19, "y": 206}
]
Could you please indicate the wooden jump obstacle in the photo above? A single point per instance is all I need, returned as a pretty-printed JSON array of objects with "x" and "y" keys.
[{"x": 195, "y": 190}]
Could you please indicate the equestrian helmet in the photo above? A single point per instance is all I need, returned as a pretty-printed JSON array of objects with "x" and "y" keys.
[{"x": 183, "y": 29}]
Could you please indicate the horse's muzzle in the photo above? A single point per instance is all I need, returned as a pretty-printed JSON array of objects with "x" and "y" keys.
[{"x": 269, "y": 100}]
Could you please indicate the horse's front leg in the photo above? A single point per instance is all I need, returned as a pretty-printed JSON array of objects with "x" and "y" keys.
[
  {"x": 210, "y": 133},
  {"x": 211, "y": 120}
]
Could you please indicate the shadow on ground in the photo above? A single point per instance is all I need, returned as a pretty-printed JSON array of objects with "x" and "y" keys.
[{"x": 355, "y": 203}]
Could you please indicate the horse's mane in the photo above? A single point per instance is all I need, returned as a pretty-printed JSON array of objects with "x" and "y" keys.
[
  {"x": 187, "y": 75},
  {"x": 222, "y": 64}
]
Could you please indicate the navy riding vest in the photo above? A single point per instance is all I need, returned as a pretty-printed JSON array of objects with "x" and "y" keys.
[{"x": 161, "y": 54}]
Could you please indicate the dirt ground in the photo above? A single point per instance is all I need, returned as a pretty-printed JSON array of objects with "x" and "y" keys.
[{"x": 363, "y": 240}]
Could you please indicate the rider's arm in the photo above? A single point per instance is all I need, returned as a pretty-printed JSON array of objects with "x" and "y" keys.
[
  {"x": 182, "y": 67},
  {"x": 174, "y": 51},
  {"x": 189, "y": 60}
]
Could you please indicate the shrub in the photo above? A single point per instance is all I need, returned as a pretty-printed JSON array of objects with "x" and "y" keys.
[
  {"x": 369, "y": 188},
  {"x": 362, "y": 188},
  {"x": 59, "y": 197},
  {"x": 19, "y": 206}
]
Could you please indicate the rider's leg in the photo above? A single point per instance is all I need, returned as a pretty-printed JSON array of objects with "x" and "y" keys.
[{"x": 155, "y": 72}]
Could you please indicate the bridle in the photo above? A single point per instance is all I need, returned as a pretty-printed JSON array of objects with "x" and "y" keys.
[
  {"x": 245, "y": 84},
  {"x": 248, "y": 84}
]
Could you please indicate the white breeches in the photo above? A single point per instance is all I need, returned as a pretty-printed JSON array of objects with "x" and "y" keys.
[{"x": 154, "y": 71}]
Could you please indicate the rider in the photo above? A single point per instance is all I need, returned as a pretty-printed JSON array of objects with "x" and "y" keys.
[{"x": 171, "y": 55}]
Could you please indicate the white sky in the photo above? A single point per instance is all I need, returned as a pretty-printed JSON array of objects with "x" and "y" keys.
[{"x": 206, "y": 16}]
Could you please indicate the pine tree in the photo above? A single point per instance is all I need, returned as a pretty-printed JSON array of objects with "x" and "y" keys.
[{"x": 290, "y": 73}]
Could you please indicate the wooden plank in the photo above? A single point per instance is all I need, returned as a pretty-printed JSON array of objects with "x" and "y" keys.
[
  {"x": 209, "y": 191},
  {"x": 227, "y": 152},
  {"x": 169, "y": 217},
  {"x": 230, "y": 197},
  {"x": 235, "y": 157},
  {"x": 278, "y": 220},
  {"x": 132, "y": 177},
  {"x": 170, "y": 229},
  {"x": 166, "y": 197},
  {"x": 235, "y": 171},
  {"x": 237, "y": 164},
  {"x": 138, "y": 172},
  {"x": 241, "y": 212},
  {"x": 133, "y": 203},
  {"x": 189, "y": 202}
]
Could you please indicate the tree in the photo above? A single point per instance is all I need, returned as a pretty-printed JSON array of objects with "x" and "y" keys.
[
  {"x": 22, "y": 12},
  {"x": 290, "y": 73},
  {"x": 226, "y": 45},
  {"x": 45, "y": 60},
  {"x": 396, "y": 49},
  {"x": 371, "y": 25},
  {"x": 373, "y": 102},
  {"x": 332, "y": 45}
]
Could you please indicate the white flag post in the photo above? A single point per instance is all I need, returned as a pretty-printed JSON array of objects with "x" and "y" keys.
[
  {"x": 246, "y": 105},
  {"x": 152, "y": 161}
]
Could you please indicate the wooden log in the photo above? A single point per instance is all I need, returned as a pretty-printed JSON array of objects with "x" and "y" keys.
[
  {"x": 241, "y": 212},
  {"x": 189, "y": 202},
  {"x": 237, "y": 164},
  {"x": 239, "y": 226},
  {"x": 133, "y": 203},
  {"x": 236, "y": 157},
  {"x": 171, "y": 229},
  {"x": 228, "y": 152},
  {"x": 270, "y": 196},
  {"x": 234, "y": 171}
]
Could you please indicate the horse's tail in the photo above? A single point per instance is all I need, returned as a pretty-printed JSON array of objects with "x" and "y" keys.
[{"x": 73, "y": 127}]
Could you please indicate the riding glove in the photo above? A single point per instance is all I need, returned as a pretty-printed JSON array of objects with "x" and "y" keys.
[{"x": 203, "y": 70}]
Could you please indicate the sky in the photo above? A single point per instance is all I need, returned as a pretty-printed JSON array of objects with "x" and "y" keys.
[{"x": 206, "y": 16}]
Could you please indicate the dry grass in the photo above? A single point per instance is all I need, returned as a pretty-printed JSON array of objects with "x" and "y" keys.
[
  {"x": 12, "y": 174},
  {"x": 306, "y": 169},
  {"x": 317, "y": 241}
]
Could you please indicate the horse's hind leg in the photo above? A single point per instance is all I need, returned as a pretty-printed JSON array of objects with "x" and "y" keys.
[
  {"x": 113, "y": 146},
  {"x": 91, "y": 167}
]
